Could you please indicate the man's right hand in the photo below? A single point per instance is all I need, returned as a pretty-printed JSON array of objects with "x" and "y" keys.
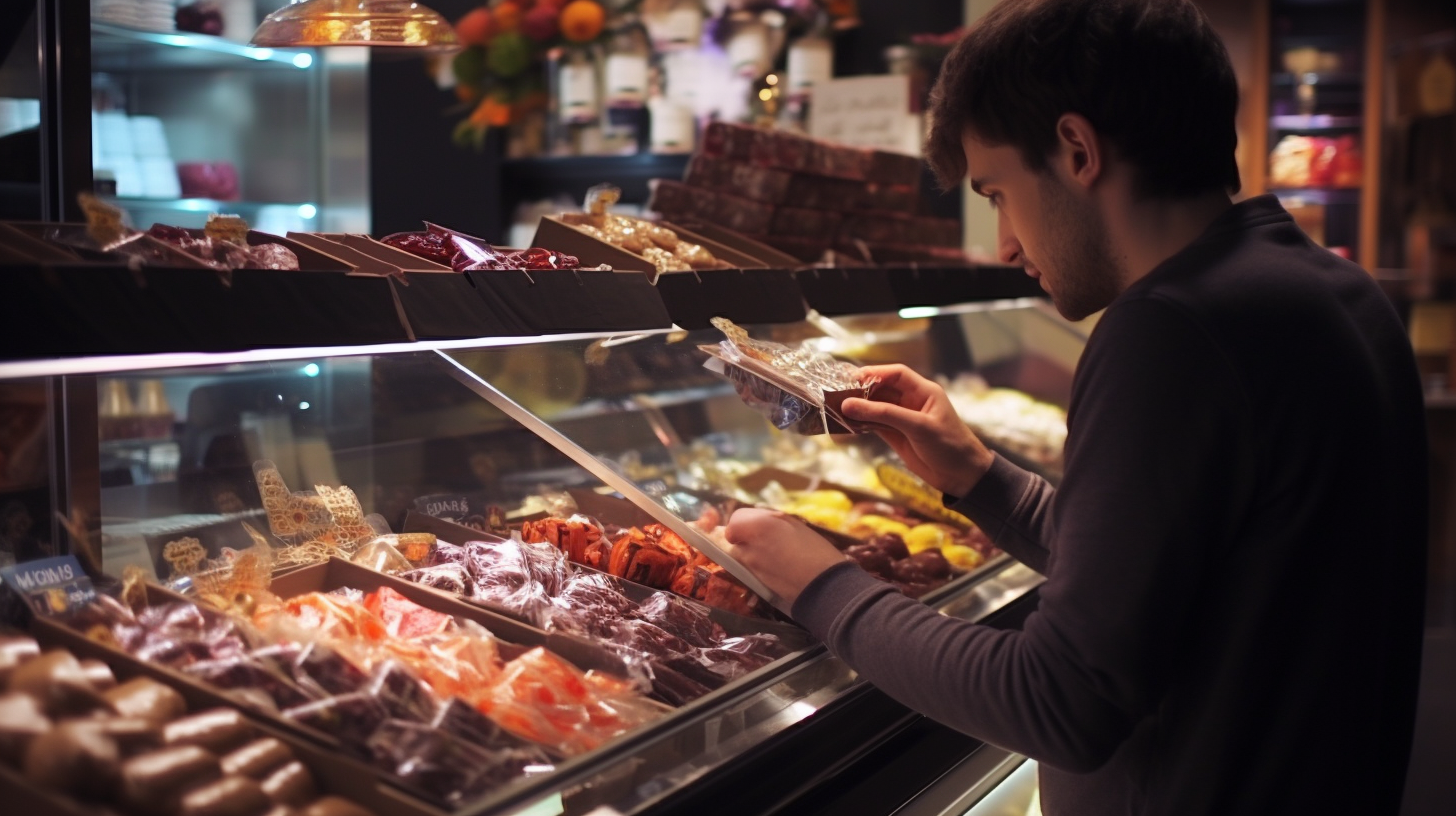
[{"x": 916, "y": 418}]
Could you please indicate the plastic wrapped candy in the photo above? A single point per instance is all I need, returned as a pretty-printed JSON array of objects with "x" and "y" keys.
[
  {"x": 543, "y": 698},
  {"x": 333, "y": 616},
  {"x": 404, "y": 618},
  {"x": 401, "y": 693},
  {"x": 350, "y": 717},
  {"x": 578, "y": 537},
  {"x": 236, "y": 673},
  {"x": 318, "y": 665},
  {"x": 684, "y": 619},
  {"x": 650, "y": 555},
  {"x": 451, "y": 578},
  {"x": 460, "y": 252},
  {"x": 797, "y": 389},
  {"x": 446, "y": 767},
  {"x": 380, "y": 555},
  {"x": 735, "y": 657},
  {"x": 589, "y": 604},
  {"x": 648, "y": 639}
]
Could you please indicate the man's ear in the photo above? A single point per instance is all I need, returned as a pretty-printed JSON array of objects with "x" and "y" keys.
[{"x": 1080, "y": 151}]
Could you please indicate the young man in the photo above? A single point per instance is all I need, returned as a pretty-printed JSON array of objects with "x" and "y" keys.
[{"x": 1231, "y": 621}]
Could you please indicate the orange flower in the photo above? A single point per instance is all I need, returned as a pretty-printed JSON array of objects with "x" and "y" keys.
[{"x": 491, "y": 112}]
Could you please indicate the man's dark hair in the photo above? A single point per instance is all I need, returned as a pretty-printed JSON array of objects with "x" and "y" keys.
[{"x": 1150, "y": 75}]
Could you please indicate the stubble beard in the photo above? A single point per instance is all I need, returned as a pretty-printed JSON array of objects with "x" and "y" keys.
[{"x": 1079, "y": 249}]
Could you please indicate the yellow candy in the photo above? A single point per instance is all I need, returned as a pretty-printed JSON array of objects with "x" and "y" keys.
[
  {"x": 877, "y": 525},
  {"x": 962, "y": 557},
  {"x": 926, "y": 536},
  {"x": 830, "y": 517},
  {"x": 831, "y": 499}
]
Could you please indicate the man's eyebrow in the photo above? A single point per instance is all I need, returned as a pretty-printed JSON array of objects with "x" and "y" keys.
[{"x": 976, "y": 186}]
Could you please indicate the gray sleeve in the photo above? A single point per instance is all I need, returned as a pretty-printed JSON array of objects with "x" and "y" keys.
[{"x": 1013, "y": 507}]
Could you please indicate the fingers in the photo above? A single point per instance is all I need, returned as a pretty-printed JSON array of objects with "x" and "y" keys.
[{"x": 903, "y": 419}]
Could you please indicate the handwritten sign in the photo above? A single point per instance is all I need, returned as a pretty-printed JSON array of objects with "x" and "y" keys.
[{"x": 868, "y": 111}]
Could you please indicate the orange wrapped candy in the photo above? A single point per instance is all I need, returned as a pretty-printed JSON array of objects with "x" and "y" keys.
[
  {"x": 404, "y": 618},
  {"x": 542, "y": 698}
]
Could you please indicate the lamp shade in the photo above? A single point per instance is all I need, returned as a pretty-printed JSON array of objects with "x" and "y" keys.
[{"x": 386, "y": 23}]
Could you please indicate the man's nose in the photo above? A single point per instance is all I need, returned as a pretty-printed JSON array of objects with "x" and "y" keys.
[{"x": 1008, "y": 249}]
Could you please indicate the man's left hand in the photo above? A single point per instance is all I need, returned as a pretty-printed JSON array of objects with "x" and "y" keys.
[{"x": 781, "y": 550}]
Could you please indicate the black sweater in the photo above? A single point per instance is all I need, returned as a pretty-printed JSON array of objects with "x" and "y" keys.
[{"x": 1232, "y": 617}]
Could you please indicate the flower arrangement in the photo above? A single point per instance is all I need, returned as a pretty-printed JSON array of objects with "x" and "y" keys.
[{"x": 498, "y": 72}]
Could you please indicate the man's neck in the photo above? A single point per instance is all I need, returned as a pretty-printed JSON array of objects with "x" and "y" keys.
[{"x": 1151, "y": 231}]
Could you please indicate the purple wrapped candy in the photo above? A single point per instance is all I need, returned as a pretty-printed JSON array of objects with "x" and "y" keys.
[
  {"x": 319, "y": 666},
  {"x": 590, "y": 604},
  {"x": 446, "y": 577},
  {"x": 402, "y": 693},
  {"x": 644, "y": 638},
  {"x": 446, "y": 553},
  {"x": 674, "y": 687},
  {"x": 682, "y": 618},
  {"x": 463, "y": 721},
  {"x": 500, "y": 565},
  {"x": 736, "y": 657},
  {"x": 350, "y": 717},
  {"x": 247, "y": 672},
  {"x": 449, "y": 769},
  {"x": 547, "y": 566}
]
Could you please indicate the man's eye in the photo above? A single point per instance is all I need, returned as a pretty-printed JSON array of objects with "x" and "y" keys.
[{"x": 993, "y": 201}]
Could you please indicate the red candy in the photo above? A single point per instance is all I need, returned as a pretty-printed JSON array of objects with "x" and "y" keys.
[{"x": 459, "y": 253}]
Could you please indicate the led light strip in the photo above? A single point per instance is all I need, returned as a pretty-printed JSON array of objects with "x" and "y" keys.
[{"x": 63, "y": 366}]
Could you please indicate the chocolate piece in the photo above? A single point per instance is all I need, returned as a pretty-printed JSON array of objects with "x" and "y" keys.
[
  {"x": 218, "y": 730},
  {"x": 14, "y": 651},
  {"x": 923, "y": 567},
  {"x": 281, "y": 810},
  {"x": 99, "y": 674},
  {"x": 231, "y": 796},
  {"x": 291, "y": 785},
  {"x": 58, "y": 682},
  {"x": 334, "y": 806},
  {"x": 21, "y": 721},
  {"x": 74, "y": 758},
  {"x": 153, "y": 783},
  {"x": 147, "y": 699},
  {"x": 871, "y": 559},
  {"x": 892, "y": 545},
  {"x": 132, "y": 735},
  {"x": 257, "y": 758}
]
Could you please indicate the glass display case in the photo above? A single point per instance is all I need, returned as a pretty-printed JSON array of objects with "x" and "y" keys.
[{"x": 112, "y": 459}]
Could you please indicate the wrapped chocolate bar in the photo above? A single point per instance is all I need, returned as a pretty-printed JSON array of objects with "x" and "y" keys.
[{"x": 798, "y": 389}]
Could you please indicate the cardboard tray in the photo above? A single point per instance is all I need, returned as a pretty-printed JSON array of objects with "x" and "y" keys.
[
  {"x": 745, "y": 296},
  {"x": 335, "y": 771},
  {"x": 555, "y": 234},
  {"x": 767, "y": 255},
  {"x": 310, "y": 259},
  {"x": 362, "y": 262},
  {"x": 847, "y": 290},
  {"x": 110, "y": 309},
  {"x": 736, "y": 625},
  {"x": 558, "y": 301}
]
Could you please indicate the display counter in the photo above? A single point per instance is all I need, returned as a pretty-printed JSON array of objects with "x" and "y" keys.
[{"x": 126, "y": 462}]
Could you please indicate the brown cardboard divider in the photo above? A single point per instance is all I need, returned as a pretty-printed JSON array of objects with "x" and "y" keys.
[
  {"x": 554, "y": 234},
  {"x": 745, "y": 296},
  {"x": 765, "y": 254},
  {"x": 336, "y": 771},
  {"x": 363, "y": 262},
  {"x": 847, "y": 290},
  {"x": 557, "y": 301},
  {"x": 451, "y": 306}
]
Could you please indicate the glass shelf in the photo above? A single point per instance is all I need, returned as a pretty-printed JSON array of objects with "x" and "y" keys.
[
  {"x": 267, "y": 216},
  {"x": 118, "y": 48}
]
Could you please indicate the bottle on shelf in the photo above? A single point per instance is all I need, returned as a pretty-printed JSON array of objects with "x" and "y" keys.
[
  {"x": 578, "y": 102},
  {"x": 625, "y": 79}
]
